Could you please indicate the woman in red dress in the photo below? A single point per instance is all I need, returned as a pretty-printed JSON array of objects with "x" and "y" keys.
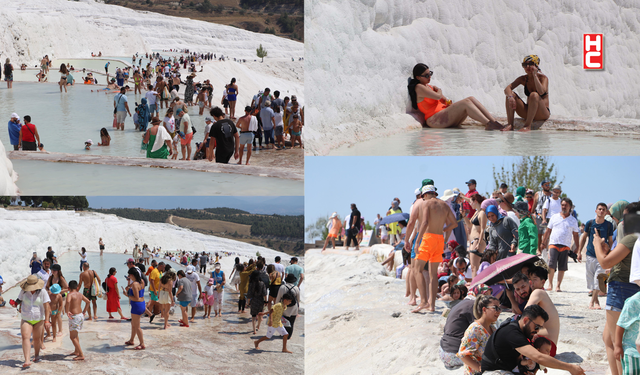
[{"x": 113, "y": 294}]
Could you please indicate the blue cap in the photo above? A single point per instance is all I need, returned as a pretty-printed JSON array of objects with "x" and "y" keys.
[{"x": 544, "y": 182}]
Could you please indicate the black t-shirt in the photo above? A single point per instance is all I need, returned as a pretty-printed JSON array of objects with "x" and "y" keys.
[
  {"x": 223, "y": 131},
  {"x": 459, "y": 319},
  {"x": 504, "y": 356},
  {"x": 8, "y": 69},
  {"x": 50, "y": 255}
]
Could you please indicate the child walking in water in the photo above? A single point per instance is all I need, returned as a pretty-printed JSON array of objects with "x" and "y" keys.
[
  {"x": 56, "y": 307},
  {"x": 275, "y": 323},
  {"x": 73, "y": 309}
]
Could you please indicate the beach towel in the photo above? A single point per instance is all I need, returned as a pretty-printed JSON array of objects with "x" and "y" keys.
[{"x": 161, "y": 137}]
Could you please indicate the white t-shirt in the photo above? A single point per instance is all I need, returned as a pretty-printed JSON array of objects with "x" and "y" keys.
[
  {"x": 383, "y": 231},
  {"x": 209, "y": 289},
  {"x": 279, "y": 267},
  {"x": 33, "y": 304},
  {"x": 44, "y": 275},
  {"x": 278, "y": 119},
  {"x": 563, "y": 229},
  {"x": 151, "y": 97},
  {"x": 553, "y": 206},
  {"x": 513, "y": 217},
  {"x": 170, "y": 124},
  {"x": 634, "y": 275},
  {"x": 194, "y": 278}
]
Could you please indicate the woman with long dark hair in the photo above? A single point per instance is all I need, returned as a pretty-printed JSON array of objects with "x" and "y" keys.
[
  {"x": 135, "y": 292},
  {"x": 256, "y": 296},
  {"x": 113, "y": 294},
  {"x": 63, "y": 77},
  {"x": 438, "y": 110},
  {"x": 232, "y": 96}
]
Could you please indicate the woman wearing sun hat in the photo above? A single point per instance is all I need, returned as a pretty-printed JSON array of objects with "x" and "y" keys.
[
  {"x": 33, "y": 302},
  {"x": 536, "y": 88}
]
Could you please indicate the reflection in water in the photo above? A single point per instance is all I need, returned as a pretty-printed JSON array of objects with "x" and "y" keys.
[{"x": 471, "y": 141}]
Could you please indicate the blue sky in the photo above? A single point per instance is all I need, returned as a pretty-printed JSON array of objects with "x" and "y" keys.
[
  {"x": 257, "y": 205},
  {"x": 332, "y": 183}
]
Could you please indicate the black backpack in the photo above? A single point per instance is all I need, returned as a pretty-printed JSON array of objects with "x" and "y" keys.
[{"x": 295, "y": 296}]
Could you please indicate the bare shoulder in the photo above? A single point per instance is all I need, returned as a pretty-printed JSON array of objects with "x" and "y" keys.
[{"x": 539, "y": 295}]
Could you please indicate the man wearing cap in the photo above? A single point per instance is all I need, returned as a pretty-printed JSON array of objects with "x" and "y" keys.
[
  {"x": 562, "y": 228},
  {"x": 121, "y": 105},
  {"x": 185, "y": 128},
  {"x": 267, "y": 116},
  {"x": 527, "y": 230},
  {"x": 436, "y": 223},
  {"x": 246, "y": 133},
  {"x": 14, "y": 131},
  {"x": 295, "y": 270},
  {"x": 466, "y": 207},
  {"x": 226, "y": 137},
  {"x": 503, "y": 233},
  {"x": 415, "y": 239},
  {"x": 291, "y": 312}
]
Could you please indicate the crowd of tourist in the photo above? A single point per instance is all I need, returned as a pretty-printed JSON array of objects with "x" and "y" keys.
[{"x": 445, "y": 247}]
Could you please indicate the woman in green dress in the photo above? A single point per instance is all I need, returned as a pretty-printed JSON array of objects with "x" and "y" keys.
[{"x": 158, "y": 140}]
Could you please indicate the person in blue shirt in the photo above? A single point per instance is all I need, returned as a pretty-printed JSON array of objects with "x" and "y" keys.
[
  {"x": 295, "y": 270},
  {"x": 35, "y": 263},
  {"x": 14, "y": 131}
]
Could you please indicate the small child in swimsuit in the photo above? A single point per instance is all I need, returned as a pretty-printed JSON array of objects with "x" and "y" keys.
[
  {"x": 56, "y": 306},
  {"x": 73, "y": 309},
  {"x": 87, "y": 144},
  {"x": 296, "y": 131}
]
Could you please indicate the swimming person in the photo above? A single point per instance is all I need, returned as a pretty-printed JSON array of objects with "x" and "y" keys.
[
  {"x": 536, "y": 88},
  {"x": 438, "y": 110},
  {"x": 104, "y": 137}
]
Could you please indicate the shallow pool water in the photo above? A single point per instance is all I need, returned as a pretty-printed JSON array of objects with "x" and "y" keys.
[
  {"x": 66, "y": 120},
  {"x": 456, "y": 142},
  {"x": 52, "y": 178}
]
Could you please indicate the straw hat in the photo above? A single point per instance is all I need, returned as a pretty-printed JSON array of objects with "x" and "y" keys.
[{"x": 32, "y": 283}]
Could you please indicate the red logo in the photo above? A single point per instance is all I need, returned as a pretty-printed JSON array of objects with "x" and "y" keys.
[{"x": 592, "y": 52}]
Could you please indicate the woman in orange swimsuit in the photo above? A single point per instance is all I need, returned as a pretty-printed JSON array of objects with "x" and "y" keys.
[
  {"x": 438, "y": 110},
  {"x": 536, "y": 88}
]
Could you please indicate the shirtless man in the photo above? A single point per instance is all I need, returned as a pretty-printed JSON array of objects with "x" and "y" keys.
[
  {"x": 159, "y": 88},
  {"x": 73, "y": 309},
  {"x": 532, "y": 291},
  {"x": 86, "y": 279},
  {"x": 436, "y": 223},
  {"x": 246, "y": 136}
]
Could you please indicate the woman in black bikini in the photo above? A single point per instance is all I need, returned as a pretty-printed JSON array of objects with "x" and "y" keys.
[
  {"x": 476, "y": 235},
  {"x": 536, "y": 88}
]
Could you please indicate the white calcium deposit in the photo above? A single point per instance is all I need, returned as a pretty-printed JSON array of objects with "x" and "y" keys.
[
  {"x": 30, "y": 29},
  {"x": 359, "y": 56},
  {"x": 23, "y": 232}
]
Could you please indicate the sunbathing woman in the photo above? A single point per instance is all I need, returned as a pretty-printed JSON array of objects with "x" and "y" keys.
[
  {"x": 438, "y": 111},
  {"x": 536, "y": 88}
]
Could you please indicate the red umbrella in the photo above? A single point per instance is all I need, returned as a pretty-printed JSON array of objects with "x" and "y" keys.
[{"x": 503, "y": 269}]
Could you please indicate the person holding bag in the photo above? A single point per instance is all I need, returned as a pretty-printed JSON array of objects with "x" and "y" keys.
[{"x": 29, "y": 138}]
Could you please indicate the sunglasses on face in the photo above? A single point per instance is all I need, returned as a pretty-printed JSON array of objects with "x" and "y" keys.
[
  {"x": 427, "y": 75},
  {"x": 524, "y": 65},
  {"x": 497, "y": 308},
  {"x": 536, "y": 326}
]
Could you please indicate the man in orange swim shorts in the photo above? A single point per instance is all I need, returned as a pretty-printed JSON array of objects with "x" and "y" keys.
[{"x": 436, "y": 223}]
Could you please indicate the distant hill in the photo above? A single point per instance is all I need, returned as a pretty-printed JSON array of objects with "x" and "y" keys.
[{"x": 284, "y": 18}]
